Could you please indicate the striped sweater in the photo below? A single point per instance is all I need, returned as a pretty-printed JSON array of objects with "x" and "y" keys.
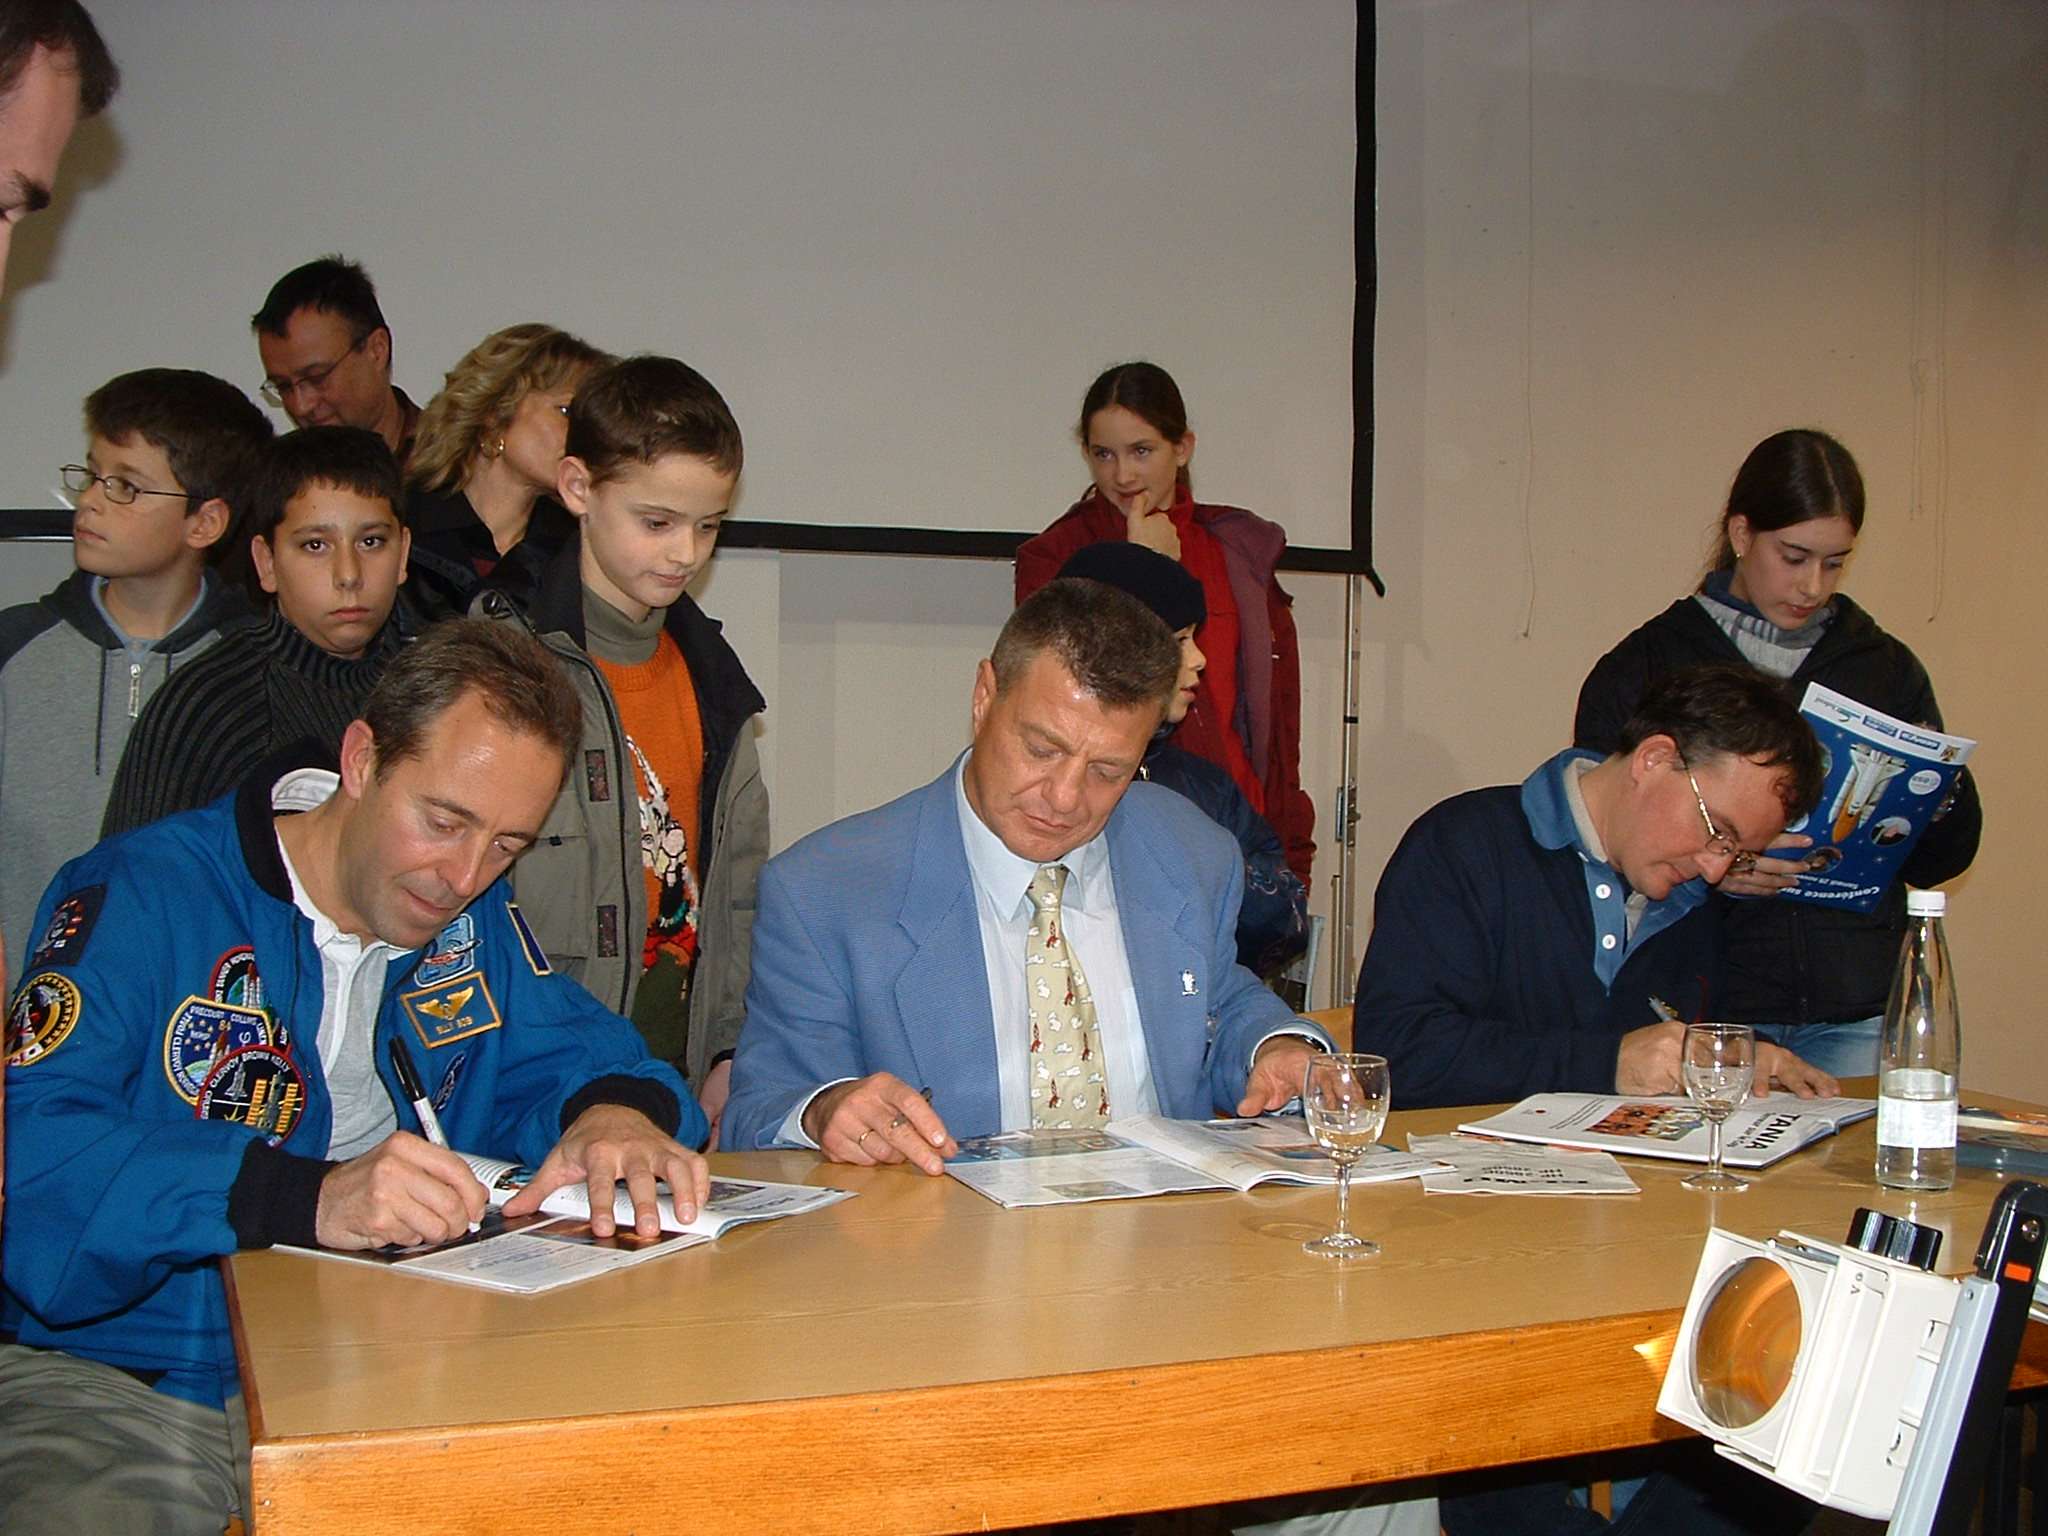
[{"x": 256, "y": 692}]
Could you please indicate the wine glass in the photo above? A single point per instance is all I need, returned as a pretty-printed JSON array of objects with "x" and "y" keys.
[
  {"x": 1719, "y": 1068},
  {"x": 1344, "y": 1097}
]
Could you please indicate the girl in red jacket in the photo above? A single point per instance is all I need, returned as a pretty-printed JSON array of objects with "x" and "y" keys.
[{"x": 1246, "y": 717}]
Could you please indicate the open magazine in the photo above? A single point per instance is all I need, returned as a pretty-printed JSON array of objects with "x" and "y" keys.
[
  {"x": 1885, "y": 780},
  {"x": 555, "y": 1247},
  {"x": 1755, "y": 1136},
  {"x": 1151, "y": 1155},
  {"x": 732, "y": 1203}
]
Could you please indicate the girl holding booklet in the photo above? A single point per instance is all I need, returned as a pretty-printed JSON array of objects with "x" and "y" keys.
[{"x": 1810, "y": 978}]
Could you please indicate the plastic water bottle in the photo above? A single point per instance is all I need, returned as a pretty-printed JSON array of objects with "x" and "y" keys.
[{"x": 1919, "y": 1061}]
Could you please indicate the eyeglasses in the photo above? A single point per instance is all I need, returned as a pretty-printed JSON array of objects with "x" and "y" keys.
[
  {"x": 78, "y": 480},
  {"x": 1719, "y": 843},
  {"x": 277, "y": 390}
]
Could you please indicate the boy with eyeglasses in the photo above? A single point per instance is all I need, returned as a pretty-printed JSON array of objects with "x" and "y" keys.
[{"x": 168, "y": 451}]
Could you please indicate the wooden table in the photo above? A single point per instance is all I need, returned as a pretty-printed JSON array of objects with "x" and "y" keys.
[{"x": 899, "y": 1362}]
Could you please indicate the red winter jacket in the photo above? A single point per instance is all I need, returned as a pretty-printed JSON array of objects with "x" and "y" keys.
[{"x": 1267, "y": 712}]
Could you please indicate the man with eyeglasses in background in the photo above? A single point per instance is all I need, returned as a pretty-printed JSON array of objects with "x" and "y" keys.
[
  {"x": 168, "y": 451},
  {"x": 327, "y": 354},
  {"x": 1523, "y": 936}
]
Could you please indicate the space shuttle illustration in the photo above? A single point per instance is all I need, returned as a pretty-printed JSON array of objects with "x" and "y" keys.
[{"x": 1863, "y": 786}]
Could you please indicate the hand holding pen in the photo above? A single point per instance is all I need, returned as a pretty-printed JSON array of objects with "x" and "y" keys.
[
  {"x": 403, "y": 1192},
  {"x": 422, "y": 1106}
]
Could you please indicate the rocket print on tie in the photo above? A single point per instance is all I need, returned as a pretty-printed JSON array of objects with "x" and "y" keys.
[{"x": 1068, "y": 1087}]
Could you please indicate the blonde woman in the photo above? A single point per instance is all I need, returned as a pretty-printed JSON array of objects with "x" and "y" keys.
[{"x": 482, "y": 475}]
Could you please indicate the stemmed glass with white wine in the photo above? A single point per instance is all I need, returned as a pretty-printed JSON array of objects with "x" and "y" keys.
[
  {"x": 1344, "y": 1097},
  {"x": 1719, "y": 1068}
]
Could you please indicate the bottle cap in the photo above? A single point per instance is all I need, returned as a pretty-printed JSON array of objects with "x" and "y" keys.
[{"x": 1926, "y": 903}]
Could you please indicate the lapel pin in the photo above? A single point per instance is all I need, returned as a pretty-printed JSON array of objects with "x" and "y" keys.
[{"x": 1187, "y": 984}]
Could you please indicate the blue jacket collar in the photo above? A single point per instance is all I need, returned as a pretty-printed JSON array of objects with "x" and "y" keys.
[{"x": 1548, "y": 808}]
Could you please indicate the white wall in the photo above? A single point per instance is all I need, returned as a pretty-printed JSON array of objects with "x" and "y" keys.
[{"x": 900, "y": 235}]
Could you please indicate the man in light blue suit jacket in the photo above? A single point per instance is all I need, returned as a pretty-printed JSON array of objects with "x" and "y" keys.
[{"x": 872, "y": 978}]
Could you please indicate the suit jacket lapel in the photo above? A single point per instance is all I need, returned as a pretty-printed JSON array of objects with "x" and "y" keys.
[
  {"x": 942, "y": 992},
  {"x": 1169, "y": 968}
]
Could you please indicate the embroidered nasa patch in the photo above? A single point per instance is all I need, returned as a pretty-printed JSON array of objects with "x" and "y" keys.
[
  {"x": 259, "y": 1087},
  {"x": 70, "y": 925},
  {"x": 450, "y": 955},
  {"x": 46, "y": 1009},
  {"x": 202, "y": 1032},
  {"x": 452, "y": 1011},
  {"x": 535, "y": 955},
  {"x": 235, "y": 979}
]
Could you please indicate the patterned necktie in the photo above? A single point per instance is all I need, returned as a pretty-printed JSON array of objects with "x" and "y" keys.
[{"x": 1068, "y": 1087}]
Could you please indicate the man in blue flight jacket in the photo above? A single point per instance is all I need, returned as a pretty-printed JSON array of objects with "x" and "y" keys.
[{"x": 200, "y": 1061}]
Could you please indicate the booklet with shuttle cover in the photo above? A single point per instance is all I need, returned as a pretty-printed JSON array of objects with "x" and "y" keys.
[
  {"x": 1755, "y": 1136},
  {"x": 555, "y": 1246},
  {"x": 1886, "y": 779},
  {"x": 1152, "y": 1155}
]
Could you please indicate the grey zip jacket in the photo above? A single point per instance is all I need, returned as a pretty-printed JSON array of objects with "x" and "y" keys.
[{"x": 68, "y": 698}]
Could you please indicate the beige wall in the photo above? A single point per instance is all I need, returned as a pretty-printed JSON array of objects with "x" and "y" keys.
[{"x": 1728, "y": 219}]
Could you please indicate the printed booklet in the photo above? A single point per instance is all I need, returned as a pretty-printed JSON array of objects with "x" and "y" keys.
[
  {"x": 1885, "y": 780},
  {"x": 1151, "y": 1155},
  {"x": 1478, "y": 1166},
  {"x": 555, "y": 1246},
  {"x": 1756, "y": 1135}
]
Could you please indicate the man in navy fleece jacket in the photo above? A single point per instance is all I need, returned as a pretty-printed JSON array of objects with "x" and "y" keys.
[{"x": 1520, "y": 933}]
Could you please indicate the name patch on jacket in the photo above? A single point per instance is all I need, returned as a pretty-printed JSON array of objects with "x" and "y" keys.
[
  {"x": 597, "y": 776},
  {"x": 46, "y": 1009},
  {"x": 70, "y": 925},
  {"x": 201, "y": 1033},
  {"x": 453, "y": 1011},
  {"x": 259, "y": 1087},
  {"x": 536, "y": 957},
  {"x": 449, "y": 956}
]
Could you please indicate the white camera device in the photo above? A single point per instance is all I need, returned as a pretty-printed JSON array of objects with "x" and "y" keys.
[{"x": 1811, "y": 1363}]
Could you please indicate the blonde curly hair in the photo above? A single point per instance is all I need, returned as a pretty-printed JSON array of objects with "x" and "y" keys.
[{"x": 481, "y": 392}]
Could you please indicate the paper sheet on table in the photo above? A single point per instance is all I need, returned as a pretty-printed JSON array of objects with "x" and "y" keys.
[{"x": 1479, "y": 1167}]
